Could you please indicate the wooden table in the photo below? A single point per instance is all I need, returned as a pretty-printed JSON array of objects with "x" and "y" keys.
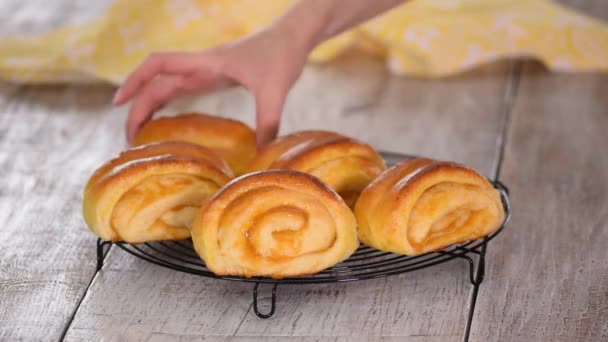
[{"x": 544, "y": 135}]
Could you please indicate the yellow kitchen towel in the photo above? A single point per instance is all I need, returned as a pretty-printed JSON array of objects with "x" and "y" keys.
[{"x": 428, "y": 38}]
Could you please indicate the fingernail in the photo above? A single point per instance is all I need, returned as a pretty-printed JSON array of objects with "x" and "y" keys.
[{"x": 117, "y": 96}]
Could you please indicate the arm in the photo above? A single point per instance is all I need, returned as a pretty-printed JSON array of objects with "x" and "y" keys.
[
  {"x": 267, "y": 63},
  {"x": 314, "y": 21}
]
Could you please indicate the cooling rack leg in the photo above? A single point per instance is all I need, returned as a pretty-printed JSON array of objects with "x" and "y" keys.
[
  {"x": 100, "y": 252},
  {"x": 481, "y": 267},
  {"x": 273, "y": 301},
  {"x": 476, "y": 274},
  {"x": 476, "y": 277}
]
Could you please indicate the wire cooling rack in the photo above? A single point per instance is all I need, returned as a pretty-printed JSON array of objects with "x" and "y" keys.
[{"x": 365, "y": 263}]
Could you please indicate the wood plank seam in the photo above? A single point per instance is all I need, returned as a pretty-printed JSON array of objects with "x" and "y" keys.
[
  {"x": 73, "y": 315},
  {"x": 508, "y": 102},
  {"x": 242, "y": 320}
]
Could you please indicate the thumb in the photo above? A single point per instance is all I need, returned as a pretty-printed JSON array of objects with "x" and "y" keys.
[{"x": 269, "y": 106}]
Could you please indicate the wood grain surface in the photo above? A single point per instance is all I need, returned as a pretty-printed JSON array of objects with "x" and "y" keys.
[
  {"x": 548, "y": 275},
  {"x": 50, "y": 141},
  {"x": 51, "y": 138}
]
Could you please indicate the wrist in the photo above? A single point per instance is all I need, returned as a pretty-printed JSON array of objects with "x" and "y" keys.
[
  {"x": 305, "y": 24},
  {"x": 310, "y": 22}
]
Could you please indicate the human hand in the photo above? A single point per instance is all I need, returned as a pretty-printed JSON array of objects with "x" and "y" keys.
[{"x": 267, "y": 63}]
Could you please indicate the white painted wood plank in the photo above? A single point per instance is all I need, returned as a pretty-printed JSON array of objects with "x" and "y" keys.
[
  {"x": 46, "y": 261},
  {"x": 50, "y": 141},
  {"x": 186, "y": 338},
  {"x": 133, "y": 300},
  {"x": 548, "y": 273}
]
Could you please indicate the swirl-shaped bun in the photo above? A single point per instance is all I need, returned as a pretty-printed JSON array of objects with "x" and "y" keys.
[
  {"x": 152, "y": 192},
  {"x": 274, "y": 223},
  {"x": 230, "y": 139},
  {"x": 345, "y": 164},
  {"x": 422, "y": 205}
]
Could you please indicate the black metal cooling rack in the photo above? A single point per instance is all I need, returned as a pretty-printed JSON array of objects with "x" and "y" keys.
[{"x": 365, "y": 263}]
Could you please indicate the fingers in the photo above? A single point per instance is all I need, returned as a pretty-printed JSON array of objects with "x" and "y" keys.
[
  {"x": 269, "y": 106},
  {"x": 153, "y": 96},
  {"x": 153, "y": 66}
]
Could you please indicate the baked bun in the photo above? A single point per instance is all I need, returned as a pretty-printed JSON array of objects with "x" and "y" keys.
[
  {"x": 346, "y": 165},
  {"x": 152, "y": 192},
  {"x": 276, "y": 223},
  {"x": 230, "y": 139},
  {"x": 423, "y": 205}
]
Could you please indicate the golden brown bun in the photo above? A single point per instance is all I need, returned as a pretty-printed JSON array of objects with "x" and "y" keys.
[
  {"x": 345, "y": 164},
  {"x": 276, "y": 223},
  {"x": 422, "y": 205},
  {"x": 152, "y": 192},
  {"x": 231, "y": 139}
]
